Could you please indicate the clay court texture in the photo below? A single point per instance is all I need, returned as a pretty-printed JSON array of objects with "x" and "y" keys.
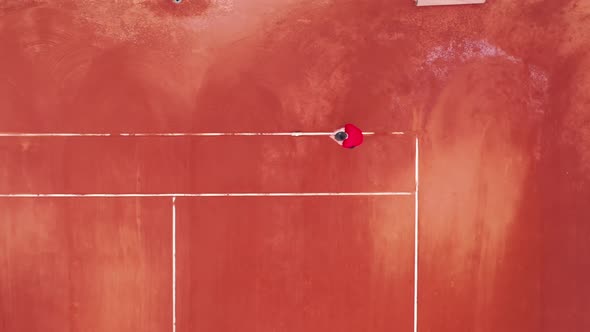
[{"x": 166, "y": 167}]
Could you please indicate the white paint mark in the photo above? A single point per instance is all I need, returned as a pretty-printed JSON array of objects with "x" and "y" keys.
[
  {"x": 293, "y": 134},
  {"x": 59, "y": 195},
  {"x": 466, "y": 50},
  {"x": 174, "y": 264},
  {"x": 441, "y": 59},
  {"x": 416, "y": 242}
]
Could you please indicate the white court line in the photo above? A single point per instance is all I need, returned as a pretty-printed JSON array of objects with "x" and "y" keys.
[
  {"x": 173, "y": 264},
  {"x": 57, "y": 195},
  {"x": 294, "y": 133},
  {"x": 416, "y": 242}
]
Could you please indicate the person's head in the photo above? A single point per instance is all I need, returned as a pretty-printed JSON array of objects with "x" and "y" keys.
[{"x": 341, "y": 136}]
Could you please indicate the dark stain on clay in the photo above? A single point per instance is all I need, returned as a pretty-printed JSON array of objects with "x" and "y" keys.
[{"x": 180, "y": 8}]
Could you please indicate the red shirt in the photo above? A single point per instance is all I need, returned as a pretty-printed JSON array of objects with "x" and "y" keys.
[{"x": 355, "y": 136}]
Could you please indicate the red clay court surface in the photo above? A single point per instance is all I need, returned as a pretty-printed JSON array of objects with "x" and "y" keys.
[{"x": 496, "y": 94}]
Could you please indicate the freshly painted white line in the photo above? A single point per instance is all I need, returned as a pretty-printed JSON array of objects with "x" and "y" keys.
[
  {"x": 416, "y": 167},
  {"x": 294, "y": 134},
  {"x": 173, "y": 264},
  {"x": 58, "y": 195}
]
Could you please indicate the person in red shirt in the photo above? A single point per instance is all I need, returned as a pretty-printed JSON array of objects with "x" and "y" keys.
[{"x": 348, "y": 136}]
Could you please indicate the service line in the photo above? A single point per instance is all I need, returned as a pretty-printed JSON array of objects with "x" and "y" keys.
[
  {"x": 416, "y": 169},
  {"x": 293, "y": 194},
  {"x": 294, "y": 133},
  {"x": 174, "y": 264}
]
